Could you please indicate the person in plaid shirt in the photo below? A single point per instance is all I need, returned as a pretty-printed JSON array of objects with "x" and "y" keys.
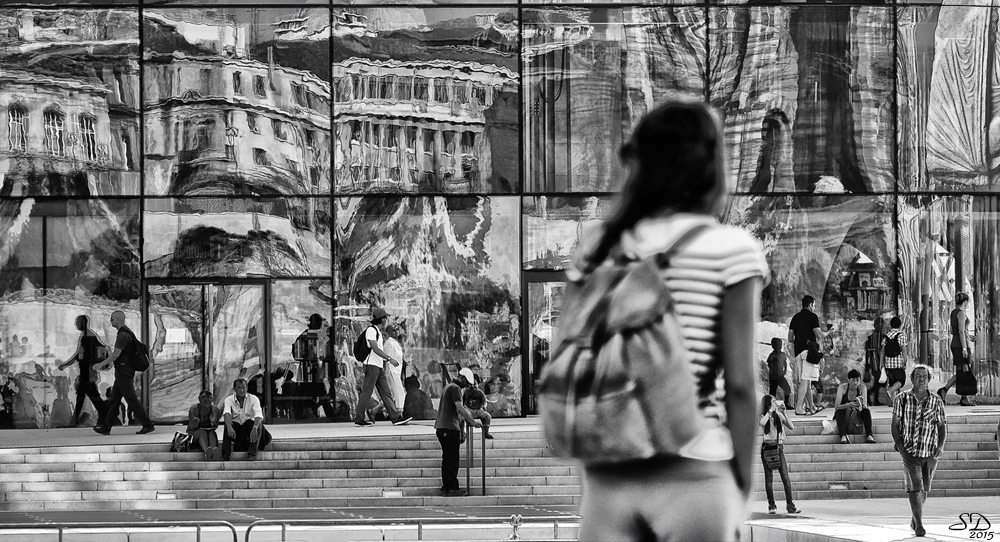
[
  {"x": 893, "y": 363},
  {"x": 919, "y": 429}
]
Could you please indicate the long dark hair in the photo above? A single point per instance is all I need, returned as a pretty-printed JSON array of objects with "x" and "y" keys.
[{"x": 676, "y": 158}]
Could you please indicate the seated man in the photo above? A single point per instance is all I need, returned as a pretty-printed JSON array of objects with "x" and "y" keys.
[
  {"x": 851, "y": 404},
  {"x": 244, "y": 421},
  {"x": 417, "y": 404}
]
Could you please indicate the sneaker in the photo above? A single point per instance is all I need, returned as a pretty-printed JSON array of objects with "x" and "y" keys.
[
  {"x": 146, "y": 429},
  {"x": 101, "y": 431},
  {"x": 364, "y": 424},
  {"x": 793, "y": 510},
  {"x": 401, "y": 420},
  {"x": 251, "y": 457},
  {"x": 772, "y": 510},
  {"x": 845, "y": 440},
  {"x": 870, "y": 439},
  {"x": 489, "y": 436},
  {"x": 457, "y": 493}
]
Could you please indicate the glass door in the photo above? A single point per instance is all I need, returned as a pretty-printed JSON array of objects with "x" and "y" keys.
[
  {"x": 203, "y": 336},
  {"x": 544, "y": 296}
]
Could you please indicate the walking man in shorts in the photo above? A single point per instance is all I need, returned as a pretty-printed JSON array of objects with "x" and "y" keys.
[{"x": 919, "y": 429}]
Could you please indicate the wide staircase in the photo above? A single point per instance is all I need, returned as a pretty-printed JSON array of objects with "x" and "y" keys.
[{"x": 404, "y": 471}]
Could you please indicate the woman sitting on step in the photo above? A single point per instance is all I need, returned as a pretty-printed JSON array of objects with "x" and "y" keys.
[
  {"x": 851, "y": 405},
  {"x": 203, "y": 421}
]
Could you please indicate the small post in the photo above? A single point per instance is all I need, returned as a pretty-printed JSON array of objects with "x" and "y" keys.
[
  {"x": 469, "y": 451},
  {"x": 197, "y": 531},
  {"x": 483, "y": 462}
]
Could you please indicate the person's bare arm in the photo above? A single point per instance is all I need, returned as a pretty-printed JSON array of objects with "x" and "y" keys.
[
  {"x": 465, "y": 413},
  {"x": 110, "y": 362},
  {"x": 374, "y": 346},
  {"x": 740, "y": 311}
]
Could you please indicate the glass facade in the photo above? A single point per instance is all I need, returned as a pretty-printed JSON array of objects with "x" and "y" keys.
[{"x": 227, "y": 173}]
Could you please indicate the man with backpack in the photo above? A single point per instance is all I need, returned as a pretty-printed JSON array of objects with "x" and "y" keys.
[
  {"x": 804, "y": 334},
  {"x": 368, "y": 350},
  {"x": 892, "y": 353},
  {"x": 126, "y": 358}
]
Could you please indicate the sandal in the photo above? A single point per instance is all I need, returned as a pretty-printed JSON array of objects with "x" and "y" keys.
[{"x": 818, "y": 409}]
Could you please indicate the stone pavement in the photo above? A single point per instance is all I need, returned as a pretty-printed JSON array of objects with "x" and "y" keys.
[{"x": 868, "y": 520}]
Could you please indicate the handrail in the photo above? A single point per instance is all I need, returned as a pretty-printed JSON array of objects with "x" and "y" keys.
[
  {"x": 62, "y": 526},
  {"x": 515, "y": 521},
  {"x": 470, "y": 453}
]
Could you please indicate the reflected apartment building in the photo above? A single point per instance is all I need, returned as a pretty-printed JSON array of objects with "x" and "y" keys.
[
  {"x": 227, "y": 123},
  {"x": 72, "y": 119},
  {"x": 408, "y": 126}
]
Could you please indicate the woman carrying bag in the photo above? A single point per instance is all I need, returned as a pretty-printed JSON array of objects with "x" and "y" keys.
[{"x": 773, "y": 422}]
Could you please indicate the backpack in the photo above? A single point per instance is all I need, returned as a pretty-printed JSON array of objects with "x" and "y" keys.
[
  {"x": 618, "y": 386},
  {"x": 139, "y": 358},
  {"x": 892, "y": 347},
  {"x": 361, "y": 347}
]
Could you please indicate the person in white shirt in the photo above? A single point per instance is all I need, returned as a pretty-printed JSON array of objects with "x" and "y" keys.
[
  {"x": 244, "y": 420},
  {"x": 375, "y": 377},
  {"x": 395, "y": 372}
]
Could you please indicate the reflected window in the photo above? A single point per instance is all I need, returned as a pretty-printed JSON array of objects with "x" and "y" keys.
[
  {"x": 252, "y": 123},
  {"x": 126, "y": 143},
  {"x": 17, "y": 128},
  {"x": 278, "y": 128},
  {"x": 260, "y": 157},
  {"x": 54, "y": 125},
  {"x": 88, "y": 137},
  {"x": 259, "y": 88},
  {"x": 238, "y": 83}
]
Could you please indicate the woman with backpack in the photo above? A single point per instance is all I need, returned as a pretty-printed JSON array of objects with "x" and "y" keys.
[
  {"x": 773, "y": 423},
  {"x": 667, "y": 213}
]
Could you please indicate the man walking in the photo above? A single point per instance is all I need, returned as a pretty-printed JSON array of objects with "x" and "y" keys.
[
  {"x": 803, "y": 333},
  {"x": 449, "y": 431},
  {"x": 375, "y": 377},
  {"x": 244, "y": 421},
  {"x": 919, "y": 429},
  {"x": 124, "y": 386}
]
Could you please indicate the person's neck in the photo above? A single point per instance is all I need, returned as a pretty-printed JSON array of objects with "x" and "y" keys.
[{"x": 920, "y": 393}]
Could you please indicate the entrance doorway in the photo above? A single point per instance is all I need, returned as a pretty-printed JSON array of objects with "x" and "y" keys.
[
  {"x": 543, "y": 296},
  {"x": 204, "y": 336}
]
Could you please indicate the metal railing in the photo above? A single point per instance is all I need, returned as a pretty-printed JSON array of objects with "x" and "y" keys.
[
  {"x": 470, "y": 453},
  {"x": 516, "y": 523},
  {"x": 63, "y": 526}
]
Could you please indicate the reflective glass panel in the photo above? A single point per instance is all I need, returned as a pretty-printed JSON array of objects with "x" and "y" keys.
[
  {"x": 590, "y": 74},
  {"x": 807, "y": 96},
  {"x": 69, "y": 103},
  {"x": 426, "y": 100},
  {"x": 947, "y": 245},
  {"x": 60, "y": 259},
  {"x": 237, "y": 238},
  {"x": 304, "y": 361},
  {"x": 947, "y": 111},
  {"x": 553, "y": 226},
  {"x": 837, "y": 249},
  {"x": 447, "y": 272},
  {"x": 237, "y": 101}
]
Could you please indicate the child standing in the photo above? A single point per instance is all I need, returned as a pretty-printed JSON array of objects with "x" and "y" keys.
[{"x": 777, "y": 367}]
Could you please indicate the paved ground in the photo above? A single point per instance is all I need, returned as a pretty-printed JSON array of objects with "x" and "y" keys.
[{"x": 870, "y": 520}]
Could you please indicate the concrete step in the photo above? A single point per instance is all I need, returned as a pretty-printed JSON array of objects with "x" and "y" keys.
[
  {"x": 888, "y": 474},
  {"x": 877, "y": 485},
  {"x": 896, "y": 493},
  {"x": 252, "y": 484}
]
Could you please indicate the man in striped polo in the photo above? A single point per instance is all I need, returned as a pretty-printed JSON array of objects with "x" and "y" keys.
[{"x": 919, "y": 429}]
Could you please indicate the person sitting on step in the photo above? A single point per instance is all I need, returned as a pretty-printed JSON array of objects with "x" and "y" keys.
[
  {"x": 475, "y": 400},
  {"x": 852, "y": 403},
  {"x": 244, "y": 421},
  {"x": 203, "y": 420}
]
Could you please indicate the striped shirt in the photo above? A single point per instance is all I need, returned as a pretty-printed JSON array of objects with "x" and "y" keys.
[
  {"x": 698, "y": 275},
  {"x": 896, "y": 362},
  {"x": 919, "y": 422}
]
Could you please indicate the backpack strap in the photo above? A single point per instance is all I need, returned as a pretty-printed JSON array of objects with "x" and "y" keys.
[{"x": 663, "y": 258}]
